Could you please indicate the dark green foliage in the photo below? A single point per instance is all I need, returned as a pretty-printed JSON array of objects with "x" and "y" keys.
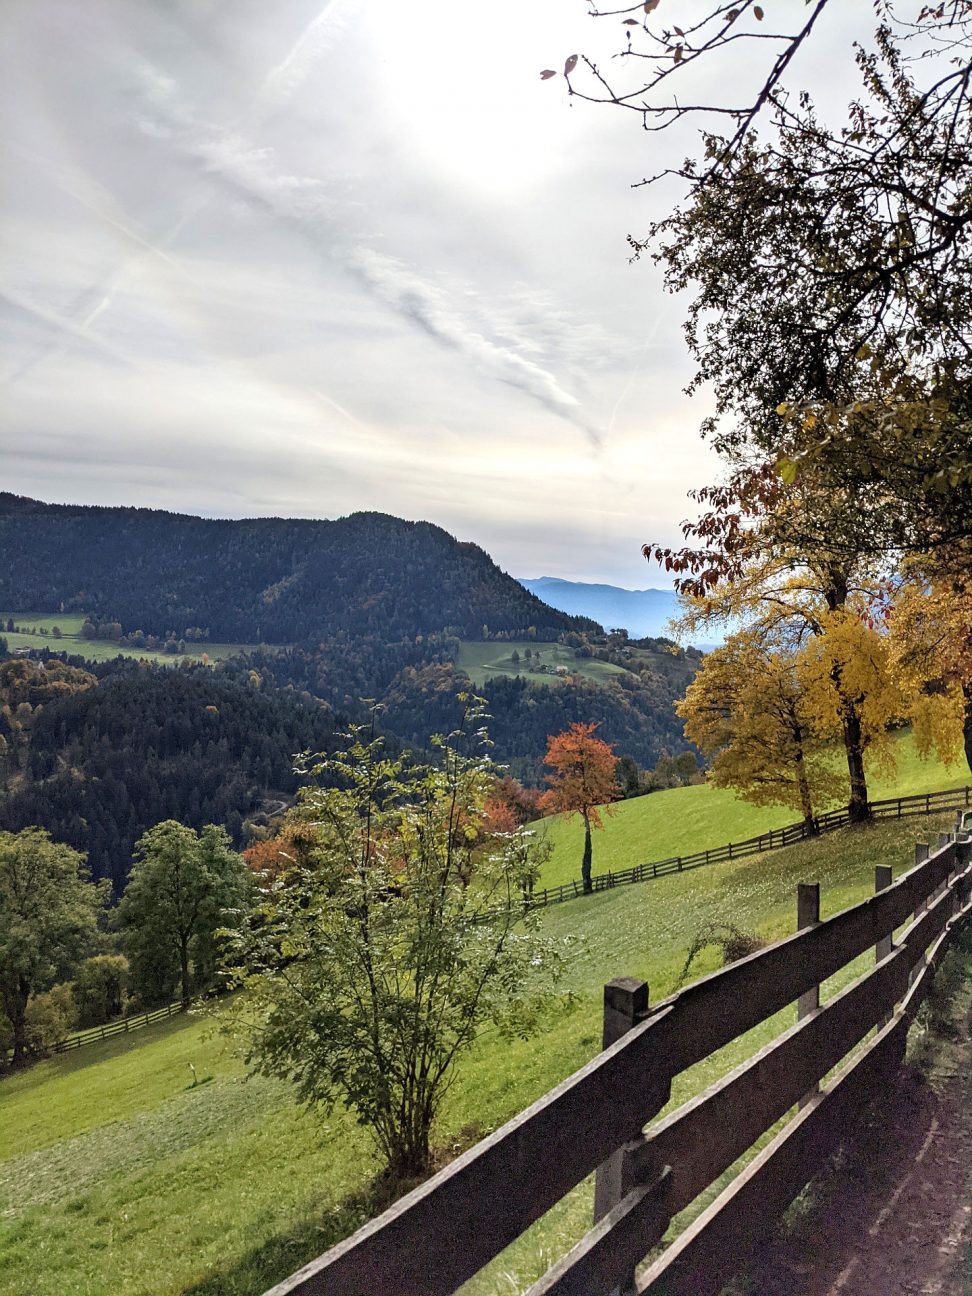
[
  {"x": 150, "y": 743},
  {"x": 48, "y": 920},
  {"x": 100, "y": 989},
  {"x": 184, "y": 886},
  {"x": 271, "y": 580}
]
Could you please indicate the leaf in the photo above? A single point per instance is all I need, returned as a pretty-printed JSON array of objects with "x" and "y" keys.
[
  {"x": 678, "y": 54},
  {"x": 758, "y": 13},
  {"x": 570, "y": 65},
  {"x": 732, "y": 15},
  {"x": 787, "y": 469},
  {"x": 679, "y": 32},
  {"x": 547, "y": 73},
  {"x": 782, "y": 408},
  {"x": 631, "y": 22},
  {"x": 651, "y": 6}
]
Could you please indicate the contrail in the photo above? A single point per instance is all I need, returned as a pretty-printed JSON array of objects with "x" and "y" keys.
[{"x": 68, "y": 326}]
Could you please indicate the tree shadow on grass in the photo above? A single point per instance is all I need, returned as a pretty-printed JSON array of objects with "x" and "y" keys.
[
  {"x": 280, "y": 1256},
  {"x": 276, "y": 1258}
]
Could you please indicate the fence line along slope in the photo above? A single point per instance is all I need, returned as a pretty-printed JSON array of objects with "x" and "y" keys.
[{"x": 594, "y": 1119}]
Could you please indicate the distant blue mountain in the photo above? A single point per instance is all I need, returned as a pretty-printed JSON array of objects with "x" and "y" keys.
[{"x": 642, "y": 613}]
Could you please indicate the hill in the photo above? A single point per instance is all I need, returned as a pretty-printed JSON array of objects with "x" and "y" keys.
[
  {"x": 271, "y": 580},
  {"x": 100, "y": 766}
]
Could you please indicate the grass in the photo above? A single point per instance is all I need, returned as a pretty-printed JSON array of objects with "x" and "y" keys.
[
  {"x": 96, "y": 650},
  {"x": 484, "y": 661},
  {"x": 681, "y": 821},
  {"x": 117, "y": 1175}
]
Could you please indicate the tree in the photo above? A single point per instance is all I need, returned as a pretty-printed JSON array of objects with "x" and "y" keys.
[
  {"x": 99, "y": 989},
  {"x": 747, "y": 711},
  {"x": 184, "y": 886},
  {"x": 48, "y": 921},
  {"x": 821, "y": 607},
  {"x": 370, "y": 970},
  {"x": 929, "y": 625},
  {"x": 583, "y": 782}
]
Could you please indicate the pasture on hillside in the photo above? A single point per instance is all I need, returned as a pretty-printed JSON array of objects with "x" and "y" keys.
[
  {"x": 483, "y": 661},
  {"x": 680, "y": 821},
  {"x": 120, "y": 1174},
  {"x": 96, "y": 650}
]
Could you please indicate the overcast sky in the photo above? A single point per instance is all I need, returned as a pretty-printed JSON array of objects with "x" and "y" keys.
[{"x": 292, "y": 259}]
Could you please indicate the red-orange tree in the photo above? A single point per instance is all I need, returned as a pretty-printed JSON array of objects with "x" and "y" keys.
[{"x": 582, "y": 782}]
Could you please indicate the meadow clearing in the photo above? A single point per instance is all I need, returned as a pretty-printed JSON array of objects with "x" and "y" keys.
[{"x": 96, "y": 650}]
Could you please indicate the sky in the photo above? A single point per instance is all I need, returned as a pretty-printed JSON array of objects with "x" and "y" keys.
[{"x": 304, "y": 259}]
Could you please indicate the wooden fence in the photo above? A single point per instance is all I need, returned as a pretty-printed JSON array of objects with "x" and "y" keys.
[
  {"x": 79, "y": 1038},
  {"x": 122, "y": 1027},
  {"x": 442, "y": 1233},
  {"x": 921, "y": 803}
]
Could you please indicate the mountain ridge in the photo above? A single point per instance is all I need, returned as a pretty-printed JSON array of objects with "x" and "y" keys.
[{"x": 276, "y": 580}]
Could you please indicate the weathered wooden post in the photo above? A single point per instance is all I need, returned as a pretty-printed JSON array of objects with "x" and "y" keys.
[
  {"x": 882, "y": 880},
  {"x": 625, "y": 1002},
  {"x": 808, "y": 915}
]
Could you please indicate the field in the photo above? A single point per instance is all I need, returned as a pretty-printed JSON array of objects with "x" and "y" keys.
[
  {"x": 483, "y": 661},
  {"x": 96, "y": 650},
  {"x": 683, "y": 820},
  {"x": 118, "y": 1174}
]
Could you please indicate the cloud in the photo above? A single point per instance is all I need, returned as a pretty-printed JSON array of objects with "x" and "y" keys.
[
  {"x": 303, "y": 203},
  {"x": 416, "y": 300},
  {"x": 283, "y": 82}
]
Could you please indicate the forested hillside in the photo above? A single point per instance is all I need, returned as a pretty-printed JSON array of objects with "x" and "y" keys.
[
  {"x": 270, "y": 580},
  {"x": 102, "y": 764}
]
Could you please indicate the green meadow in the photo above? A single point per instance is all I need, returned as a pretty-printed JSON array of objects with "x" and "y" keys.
[
  {"x": 484, "y": 661},
  {"x": 681, "y": 821},
  {"x": 120, "y": 1173},
  {"x": 96, "y": 650}
]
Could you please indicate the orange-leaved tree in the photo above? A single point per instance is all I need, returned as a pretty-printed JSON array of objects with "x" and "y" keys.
[{"x": 582, "y": 782}]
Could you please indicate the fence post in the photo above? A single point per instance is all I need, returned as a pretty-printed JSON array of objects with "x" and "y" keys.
[
  {"x": 882, "y": 880},
  {"x": 625, "y": 1000},
  {"x": 808, "y": 915}
]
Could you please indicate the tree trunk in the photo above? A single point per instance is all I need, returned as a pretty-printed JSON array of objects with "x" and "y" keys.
[
  {"x": 16, "y": 1008},
  {"x": 858, "y": 807},
  {"x": 586, "y": 862},
  {"x": 806, "y": 801},
  {"x": 184, "y": 969}
]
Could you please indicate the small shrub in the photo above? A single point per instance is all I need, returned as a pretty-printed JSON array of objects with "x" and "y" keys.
[{"x": 734, "y": 942}]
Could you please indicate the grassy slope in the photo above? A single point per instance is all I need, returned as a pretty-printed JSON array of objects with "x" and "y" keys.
[
  {"x": 482, "y": 661},
  {"x": 99, "y": 649},
  {"x": 116, "y": 1175},
  {"x": 684, "y": 820}
]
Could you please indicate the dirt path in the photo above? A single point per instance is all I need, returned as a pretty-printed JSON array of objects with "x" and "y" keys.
[{"x": 894, "y": 1217}]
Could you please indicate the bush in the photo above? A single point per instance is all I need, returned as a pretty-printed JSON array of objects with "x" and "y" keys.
[{"x": 50, "y": 1017}]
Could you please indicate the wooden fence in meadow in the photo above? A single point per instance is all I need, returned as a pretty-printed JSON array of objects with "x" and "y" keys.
[
  {"x": 445, "y": 1231},
  {"x": 122, "y": 1027},
  {"x": 921, "y": 803}
]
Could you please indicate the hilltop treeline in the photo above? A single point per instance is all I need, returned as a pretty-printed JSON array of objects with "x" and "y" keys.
[{"x": 265, "y": 580}]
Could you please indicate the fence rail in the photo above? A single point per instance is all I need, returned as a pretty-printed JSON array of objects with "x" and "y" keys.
[
  {"x": 78, "y": 1039},
  {"x": 445, "y": 1231},
  {"x": 920, "y": 803},
  {"x": 123, "y": 1027}
]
